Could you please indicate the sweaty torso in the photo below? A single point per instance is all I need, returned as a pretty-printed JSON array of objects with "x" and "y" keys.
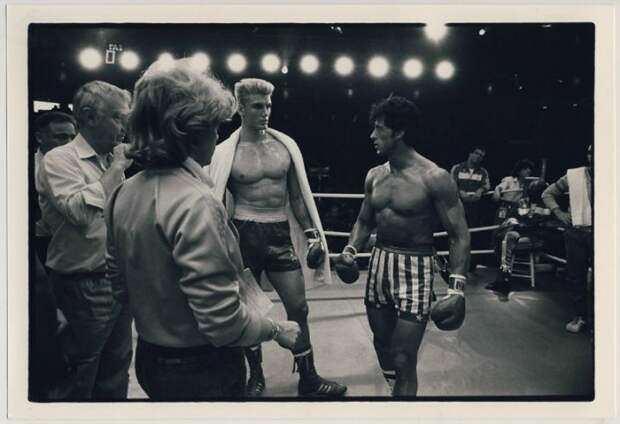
[
  {"x": 259, "y": 173},
  {"x": 404, "y": 211}
]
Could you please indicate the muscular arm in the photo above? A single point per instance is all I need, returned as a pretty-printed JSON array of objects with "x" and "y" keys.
[
  {"x": 298, "y": 205},
  {"x": 365, "y": 222},
  {"x": 451, "y": 214}
]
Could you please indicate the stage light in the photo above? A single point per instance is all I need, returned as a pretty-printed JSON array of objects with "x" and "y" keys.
[
  {"x": 90, "y": 58},
  {"x": 200, "y": 61},
  {"x": 309, "y": 64},
  {"x": 435, "y": 30},
  {"x": 129, "y": 60},
  {"x": 270, "y": 63},
  {"x": 413, "y": 68},
  {"x": 284, "y": 70},
  {"x": 236, "y": 63},
  {"x": 165, "y": 61},
  {"x": 482, "y": 32},
  {"x": 378, "y": 67},
  {"x": 444, "y": 69},
  {"x": 344, "y": 65}
]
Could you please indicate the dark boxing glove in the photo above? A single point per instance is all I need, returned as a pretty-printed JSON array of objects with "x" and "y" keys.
[
  {"x": 449, "y": 312},
  {"x": 316, "y": 252},
  {"x": 346, "y": 266}
]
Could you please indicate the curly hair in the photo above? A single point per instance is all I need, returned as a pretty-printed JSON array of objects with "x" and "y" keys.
[
  {"x": 522, "y": 164},
  {"x": 399, "y": 114},
  {"x": 174, "y": 105}
]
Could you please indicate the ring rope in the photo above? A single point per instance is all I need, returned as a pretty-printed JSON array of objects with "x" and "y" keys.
[{"x": 439, "y": 234}]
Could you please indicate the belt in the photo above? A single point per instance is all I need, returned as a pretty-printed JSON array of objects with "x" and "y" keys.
[
  {"x": 175, "y": 352},
  {"x": 78, "y": 275},
  {"x": 406, "y": 248}
]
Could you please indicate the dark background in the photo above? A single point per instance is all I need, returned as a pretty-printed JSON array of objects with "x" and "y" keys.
[{"x": 553, "y": 63}]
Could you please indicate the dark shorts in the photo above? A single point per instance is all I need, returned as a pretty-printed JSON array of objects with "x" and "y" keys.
[
  {"x": 402, "y": 280},
  {"x": 266, "y": 247}
]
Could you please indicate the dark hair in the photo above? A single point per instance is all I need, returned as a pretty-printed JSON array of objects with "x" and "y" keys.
[
  {"x": 399, "y": 114},
  {"x": 473, "y": 149},
  {"x": 522, "y": 164},
  {"x": 55, "y": 117},
  {"x": 174, "y": 103}
]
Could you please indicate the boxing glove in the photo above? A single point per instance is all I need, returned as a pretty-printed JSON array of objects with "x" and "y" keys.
[
  {"x": 449, "y": 312},
  {"x": 316, "y": 252},
  {"x": 346, "y": 266}
]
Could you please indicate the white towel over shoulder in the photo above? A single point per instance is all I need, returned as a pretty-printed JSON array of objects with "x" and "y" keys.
[
  {"x": 579, "y": 191},
  {"x": 219, "y": 171}
]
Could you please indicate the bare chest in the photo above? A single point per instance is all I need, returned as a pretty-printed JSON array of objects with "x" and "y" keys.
[
  {"x": 406, "y": 195},
  {"x": 256, "y": 161}
]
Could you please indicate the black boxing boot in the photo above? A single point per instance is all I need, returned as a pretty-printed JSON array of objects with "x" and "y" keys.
[
  {"x": 310, "y": 383},
  {"x": 256, "y": 382}
]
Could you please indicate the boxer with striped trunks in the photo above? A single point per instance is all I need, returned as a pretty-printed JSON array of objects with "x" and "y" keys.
[
  {"x": 401, "y": 278},
  {"x": 404, "y": 199}
]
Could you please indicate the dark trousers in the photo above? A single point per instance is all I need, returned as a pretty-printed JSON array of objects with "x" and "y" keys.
[
  {"x": 98, "y": 339},
  {"x": 579, "y": 256},
  {"x": 195, "y": 373}
]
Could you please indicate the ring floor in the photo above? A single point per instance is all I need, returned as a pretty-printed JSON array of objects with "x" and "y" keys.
[{"x": 514, "y": 346}]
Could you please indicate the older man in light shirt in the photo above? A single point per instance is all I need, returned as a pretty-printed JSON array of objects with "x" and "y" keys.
[{"x": 76, "y": 179}]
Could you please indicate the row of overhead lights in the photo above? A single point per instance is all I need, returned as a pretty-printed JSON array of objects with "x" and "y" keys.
[{"x": 377, "y": 67}]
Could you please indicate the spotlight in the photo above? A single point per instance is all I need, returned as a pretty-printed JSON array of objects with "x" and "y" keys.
[
  {"x": 444, "y": 69},
  {"x": 413, "y": 68},
  {"x": 378, "y": 67},
  {"x": 284, "y": 70},
  {"x": 270, "y": 63},
  {"x": 200, "y": 61},
  {"x": 236, "y": 62},
  {"x": 435, "y": 31},
  {"x": 344, "y": 65},
  {"x": 482, "y": 32},
  {"x": 165, "y": 61},
  {"x": 129, "y": 60},
  {"x": 90, "y": 58},
  {"x": 309, "y": 64}
]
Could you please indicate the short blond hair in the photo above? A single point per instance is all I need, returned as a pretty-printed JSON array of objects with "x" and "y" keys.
[
  {"x": 172, "y": 105},
  {"x": 248, "y": 86}
]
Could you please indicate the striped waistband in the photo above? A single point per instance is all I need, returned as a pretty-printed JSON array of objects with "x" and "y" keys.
[{"x": 413, "y": 249}]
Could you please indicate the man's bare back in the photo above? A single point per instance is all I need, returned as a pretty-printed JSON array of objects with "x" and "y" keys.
[
  {"x": 259, "y": 173},
  {"x": 402, "y": 202}
]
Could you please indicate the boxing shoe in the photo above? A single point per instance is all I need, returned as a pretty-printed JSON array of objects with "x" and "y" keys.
[
  {"x": 501, "y": 283},
  {"x": 313, "y": 385},
  {"x": 256, "y": 383},
  {"x": 316, "y": 252},
  {"x": 255, "y": 386},
  {"x": 346, "y": 266},
  {"x": 449, "y": 312}
]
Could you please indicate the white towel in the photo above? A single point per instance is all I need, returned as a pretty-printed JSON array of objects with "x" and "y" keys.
[
  {"x": 219, "y": 170},
  {"x": 579, "y": 191}
]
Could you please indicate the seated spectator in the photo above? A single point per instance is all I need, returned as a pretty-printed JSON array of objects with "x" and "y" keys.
[{"x": 512, "y": 189}]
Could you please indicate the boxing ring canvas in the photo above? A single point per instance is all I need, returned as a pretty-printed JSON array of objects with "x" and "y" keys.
[{"x": 524, "y": 84}]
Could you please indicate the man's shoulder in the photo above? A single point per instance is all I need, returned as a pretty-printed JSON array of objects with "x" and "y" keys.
[{"x": 375, "y": 171}]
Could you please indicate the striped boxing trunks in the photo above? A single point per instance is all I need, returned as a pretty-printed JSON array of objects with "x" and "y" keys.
[{"x": 401, "y": 278}]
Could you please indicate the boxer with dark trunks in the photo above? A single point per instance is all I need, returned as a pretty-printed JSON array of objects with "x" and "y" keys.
[
  {"x": 403, "y": 199},
  {"x": 263, "y": 171}
]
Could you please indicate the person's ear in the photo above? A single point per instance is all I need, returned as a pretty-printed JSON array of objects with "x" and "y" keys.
[
  {"x": 90, "y": 116},
  {"x": 399, "y": 134}
]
